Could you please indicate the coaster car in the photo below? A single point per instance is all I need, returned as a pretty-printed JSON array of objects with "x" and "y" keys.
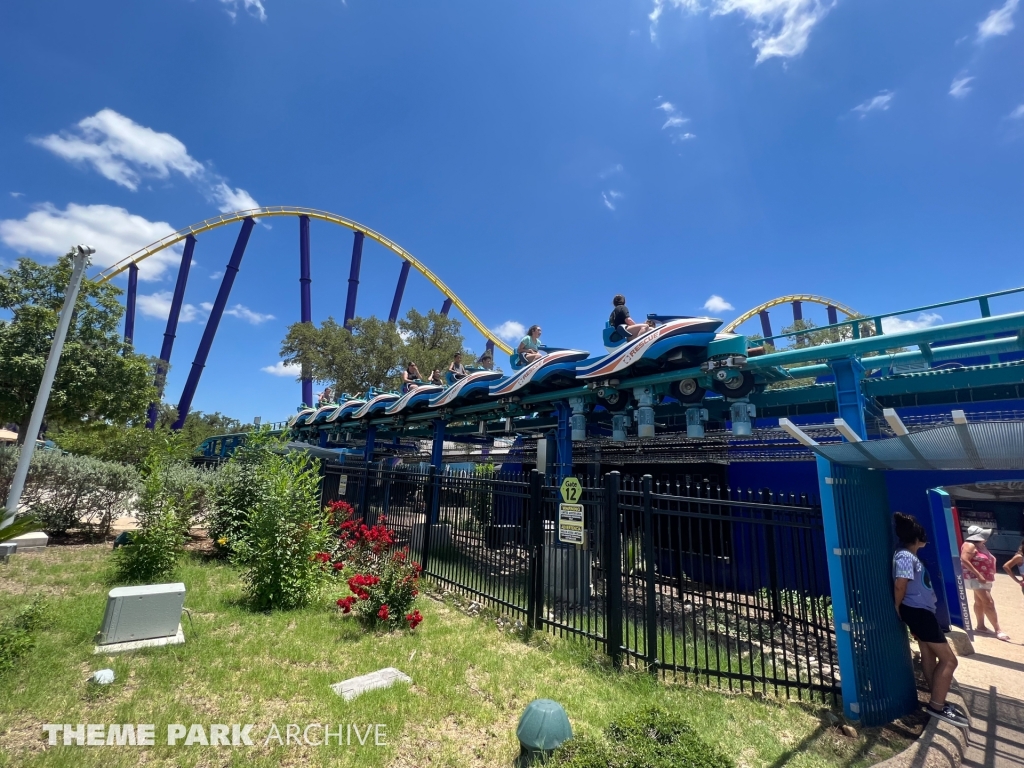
[
  {"x": 474, "y": 386},
  {"x": 345, "y": 410},
  {"x": 555, "y": 369},
  {"x": 375, "y": 403},
  {"x": 414, "y": 399},
  {"x": 301, "y": 417}
]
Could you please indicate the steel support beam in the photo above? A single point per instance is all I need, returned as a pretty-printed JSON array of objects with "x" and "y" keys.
[
  {"x": 129, "y": 309},
  {"x": 446, "y": 307},
  {"x": 396, "y": 304},
  {"x": 306, "y": 302},
  {"x": 437, "y": 447},
  {"x": 171, "y": 330},
  {"x": 563, "y": 441},
  {"x": 833, "y": 315},
  {"x": 353, "y": 277},
  {"x": 798, "y": 311},
  {"x": 766, "y": 323},
  {"x": 849, "y": 396},
  {"x": 185, "y": 403}
]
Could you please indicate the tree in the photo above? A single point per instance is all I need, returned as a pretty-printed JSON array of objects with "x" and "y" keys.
[
  {"x": 431, "y": 340},
  {"x": 373, "y": 352},
  {"x": 100, "y": 377}
]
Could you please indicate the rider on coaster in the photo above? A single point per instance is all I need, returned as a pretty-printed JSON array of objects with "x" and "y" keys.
[
  {"x": 529, "y": 346},
  {"x": 620, "y": 317},
  {"x": 457, "y": 370},
  {"x": 411, "y": 377}
]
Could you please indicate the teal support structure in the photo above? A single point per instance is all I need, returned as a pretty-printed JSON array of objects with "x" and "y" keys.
[
  {"x": 849, "y": 396},
  {"x": 875, "y": 666},
  {"x": 563, "y": 440}
]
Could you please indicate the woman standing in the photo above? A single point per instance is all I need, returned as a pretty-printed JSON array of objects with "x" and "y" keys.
[
  {"x": 915, "y": 605},
  {"x": 979, "y": 572},
  {"x": 1016, "y": 562}
]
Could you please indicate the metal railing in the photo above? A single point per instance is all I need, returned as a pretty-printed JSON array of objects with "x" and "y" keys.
[{"x": 698, "y": 583}]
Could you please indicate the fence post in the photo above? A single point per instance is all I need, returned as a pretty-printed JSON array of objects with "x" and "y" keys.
[
  {"x": 651, "y": 605},
  {"x": 535, "y": 567},
  {"x": 431, "y": 500},
  {"x": 611, "y": 560}
]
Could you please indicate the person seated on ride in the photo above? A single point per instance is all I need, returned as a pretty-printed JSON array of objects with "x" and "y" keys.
[
  {"x": 410, "y": 377},
  {"x": 325, "y": 398},
  {"x": 620, "y": 318},
  {"x": 486, "y": 360},
  {"x": 456, "y": 370},
  {"x": 435, "y": 377},
  {"x": 529, "y": 347}
]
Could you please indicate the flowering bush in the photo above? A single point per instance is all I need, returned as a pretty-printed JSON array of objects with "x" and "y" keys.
[{"x": 384, "y": 584}]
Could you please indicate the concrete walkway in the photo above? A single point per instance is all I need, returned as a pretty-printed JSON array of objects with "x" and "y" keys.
[{"x": 992, "y": 683}]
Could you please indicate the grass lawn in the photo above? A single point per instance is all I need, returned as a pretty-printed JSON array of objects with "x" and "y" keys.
[{"x": 471, "y": 683}]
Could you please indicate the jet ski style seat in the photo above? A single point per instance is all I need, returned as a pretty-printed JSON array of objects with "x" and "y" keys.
[
  {"x": 473, "y": 386},
  {"x": 418, "y": 396},
  {"x": 376, "y": 403},
  {"x": 556, "y": 368},
  {"x": 677, "y": 342}
]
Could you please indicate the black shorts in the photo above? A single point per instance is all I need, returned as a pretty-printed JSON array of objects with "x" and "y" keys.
[{"x": 923, "y": 624}]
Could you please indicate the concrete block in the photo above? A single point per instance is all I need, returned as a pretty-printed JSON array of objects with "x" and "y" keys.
[
  {"x": 382, "y": 678},
  {"x": 136, "y": 645},
  {"x": 961, "y": 642},
  {"x": 31, "y": 542}
]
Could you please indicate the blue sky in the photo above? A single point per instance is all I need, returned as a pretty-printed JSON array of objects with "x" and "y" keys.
[{"x": 538, "y": 156}]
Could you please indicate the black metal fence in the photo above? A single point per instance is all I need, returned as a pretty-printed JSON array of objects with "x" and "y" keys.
[{"x": 696, "y": 583}]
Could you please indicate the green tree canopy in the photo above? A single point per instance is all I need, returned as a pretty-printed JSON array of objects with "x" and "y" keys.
[
  {"x": 374, "y": 351},
  {"x": 99, "y": 377}
]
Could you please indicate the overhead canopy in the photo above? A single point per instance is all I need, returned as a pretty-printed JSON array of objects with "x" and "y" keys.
[{"x": 980, "y": 445}]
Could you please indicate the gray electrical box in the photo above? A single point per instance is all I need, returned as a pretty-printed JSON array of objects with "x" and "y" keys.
[{"x": 142, "y": 613}]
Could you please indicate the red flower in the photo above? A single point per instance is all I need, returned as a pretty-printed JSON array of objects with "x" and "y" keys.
[
  {"x": 414, "y": 618},
  {"x": 382, "y": 614},
  {"x": 323, "y": 557},
  {"x": 339, "y": 565},
  {"x": 345, "y": 604}
]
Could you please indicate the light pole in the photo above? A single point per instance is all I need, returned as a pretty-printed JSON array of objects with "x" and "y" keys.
[{"x": 81, "y": 259}]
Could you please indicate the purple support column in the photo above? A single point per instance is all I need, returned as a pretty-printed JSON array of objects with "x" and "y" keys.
[
  {"x": 446, "y": 307},
  {"x": 766, "y": 323},
  {"x": 490, "y": 346},
  {"x": 353, "y": 277},
  {"x": 306, "y": 303},
  {"x": 833, "y": 316},
  {"x": 211, "y": 325},
  {"x": 798, "y": 311},
  {"x": 172, "y": 327},
  {"x": 403, "y": 276},
  {"x": 129, "y": 310}
]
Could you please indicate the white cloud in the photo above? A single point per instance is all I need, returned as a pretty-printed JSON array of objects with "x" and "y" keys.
[
  {"x": 158, "y": 305},
  {"x": 666, "y": 106},
  {"x": 684, "y": 137},
  {"x": 254, "y": 7},
  {"x": 125, "y": 152},
  {"x": 879, "y": 103},
  {"x": 242, "y": 312},
  {"x": 610, "y": 197},
  {"x": 122, "y": 150},
  {"x": 113, "y": 232},
  {"x": 717, "y": 304},
  {"x": 510, "y": 331},
  {"x": 17, "y": 194},
  {"x": 279, "y": 368},
  {"x": 1018, "y": 113},
  {"x": 217, "y": 275},
  {"x": 924, "y": 320},
  {"x": 610, "y": 171},
  {"x": 960, "y": 87},
  {"x": 675, "y": 122},
  {"x": 998, "y": 22},
  {"x": 782, "y": 27}
]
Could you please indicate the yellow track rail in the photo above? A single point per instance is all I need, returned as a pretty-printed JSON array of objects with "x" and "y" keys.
[
  {"x": 788, "y": 300},
  {"x": 281, "y": 210}
]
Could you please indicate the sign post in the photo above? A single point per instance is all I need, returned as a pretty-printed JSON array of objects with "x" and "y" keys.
[{"x": 571, "y": 524}]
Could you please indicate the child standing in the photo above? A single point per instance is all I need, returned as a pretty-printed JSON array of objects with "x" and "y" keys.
[{"x": 915, "y": 605}]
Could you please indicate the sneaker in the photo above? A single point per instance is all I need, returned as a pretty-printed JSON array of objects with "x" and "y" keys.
[{"x": 950, "y": 715}]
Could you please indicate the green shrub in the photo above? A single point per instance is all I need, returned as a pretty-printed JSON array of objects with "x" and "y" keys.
[
  {"x": 163, "y": 512},
  {"x": 649, "y": 738},
  {"x": 17, "y": 634},
  {"x": 241, "y": 482},
  {"x": 283, "y": 539},
  {"x": 64, "y": 491}
]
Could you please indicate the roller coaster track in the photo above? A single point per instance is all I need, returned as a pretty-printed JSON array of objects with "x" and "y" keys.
[
  {"x": 332, "y": 218},
  {"x": 801, "y": 297}
]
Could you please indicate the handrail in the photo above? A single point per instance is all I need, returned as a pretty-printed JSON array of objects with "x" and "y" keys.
[
  {"x": 282, "y": 210},
  {"x": 876, "y": 320}
]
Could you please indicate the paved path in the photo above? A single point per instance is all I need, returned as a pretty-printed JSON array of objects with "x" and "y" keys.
[{"x": 992, "y": 683}]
